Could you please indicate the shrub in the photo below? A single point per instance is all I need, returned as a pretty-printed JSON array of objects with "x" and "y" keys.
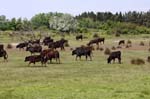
[
  {"x": 107, "y": 51},
  {"x": 127, "y": 46},
  {"x": 142, "y": 43},
  {"x": 129, "y": 42},
  {"x": 95, "y": 35},
  {"x": 113, "y": 48},
  {"x": 117, "y": 34},
  {"x": 9, "y": 46},
  {"x": 137, "y": 61},
  {"x": 101, "y": 48},
  {"x": 66, "y": 45}
]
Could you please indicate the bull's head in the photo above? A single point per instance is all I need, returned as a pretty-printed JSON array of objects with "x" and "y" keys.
[
  {"x": 73, "y": 52},
  {"x": 108, "y": 60}
]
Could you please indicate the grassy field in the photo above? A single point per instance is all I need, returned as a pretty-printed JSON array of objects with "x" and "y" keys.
[{"x": 77, "y": 79}]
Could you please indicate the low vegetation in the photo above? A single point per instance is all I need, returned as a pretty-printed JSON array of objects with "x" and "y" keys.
[
  {"x": 137, "y": 61},
  {"x": 75, "y": 79}
]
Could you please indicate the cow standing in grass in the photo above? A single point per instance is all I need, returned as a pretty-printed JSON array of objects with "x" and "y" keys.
[
  {"x": 58, "y": 44},
  {"x": 36, "y": 48},
  {"x": 36, "y": 58},
  {"x": 51, "y": 54},
  {"x": 79, "y": 37},
  {"x": 82, "y": 51},
  {"x": 47, "y": 40},
  {"x": 22, "y": 45},
  {"x": 121, "y": 42},
  {"x": 96, "y": 41},
  {"x": 113, "y": 56},
  {"x": 4, "y": 54}
]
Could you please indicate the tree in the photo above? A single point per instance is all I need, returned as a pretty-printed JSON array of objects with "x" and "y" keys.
[
  {"x": 63, "y": 22},
  {"x": 39, "y": 20}
]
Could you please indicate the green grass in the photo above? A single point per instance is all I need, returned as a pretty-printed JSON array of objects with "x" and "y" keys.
[{"x": 75, "y": 79}]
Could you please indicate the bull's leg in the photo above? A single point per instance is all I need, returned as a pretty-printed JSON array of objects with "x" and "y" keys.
[
  {"x": 58, "y": 59},
  {"x": 50, "y": 60},
  {"x": 119, "y": 60},
  {"x": 86, "y": 57},
  {"x": 110, "y": 61},
  {"x": 34, "y": 63},
  {"x": 45, "y": 64},
  {"x": 113, "y": 60},
  {"x": 5, "y": 59},
  {"x": 76, "y": 58},
  {"x": 63, "y": 48},
  {"x": 29, "y": 63},
  {"x": 80, "y": 57},
  {"x": 90, "y": 57}
]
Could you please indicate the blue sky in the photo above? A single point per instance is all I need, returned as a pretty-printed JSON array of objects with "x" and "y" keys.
[{"x": 28, "y": 8}]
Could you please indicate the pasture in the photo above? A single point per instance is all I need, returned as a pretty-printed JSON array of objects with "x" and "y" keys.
[{"x": 78, "y": 79}]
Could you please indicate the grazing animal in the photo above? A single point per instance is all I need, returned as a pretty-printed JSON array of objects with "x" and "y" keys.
[
  {"x": 113, "y": 56},
  {"x": 82, "y": 51},
  {"x": 34, "y": 48},
  {"x": 58, "y": 44},
  {"x": 3, "y": 54},
  {"x": 79, "y": 37},
  {"x": 121, "y": 42},
  {"x": 47, "y": 40},
  {"x": 36, "y": 58},
  {"x": 22, "y": 45},
  {"x": 51, "y": 54},
  {"x": 34, "y": 41},
  {"x": 96, "y": 41}
]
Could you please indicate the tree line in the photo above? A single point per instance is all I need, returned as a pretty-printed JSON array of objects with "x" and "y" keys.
[{"x": 119, "y": 22}]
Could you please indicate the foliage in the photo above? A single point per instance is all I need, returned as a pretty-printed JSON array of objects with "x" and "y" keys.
[
  {"x": 63, "y": 22},
  {"x": 137, "y": 61},
  {"x": 118, "y": 23}
]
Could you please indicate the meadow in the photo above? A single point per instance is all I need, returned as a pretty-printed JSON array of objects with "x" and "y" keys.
[{"x": 77, "y": 79}]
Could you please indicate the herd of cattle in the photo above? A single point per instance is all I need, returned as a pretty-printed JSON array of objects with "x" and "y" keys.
[{"x": 45, "y": 55}]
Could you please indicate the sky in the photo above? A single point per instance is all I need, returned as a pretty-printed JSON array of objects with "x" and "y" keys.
[{"x": 28, "y": 8}]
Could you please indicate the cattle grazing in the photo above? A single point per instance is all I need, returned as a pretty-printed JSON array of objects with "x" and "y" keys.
[
  {"x": 36, "y": 58},
  {"x": 47, "y": 40},
  {"x": 82, "y": 51},
  {"x": 36, "y": 48},
  {"x": 51, "y": 54},
  {"x": 3, "y": 54},
  {"x": 121, "y": 42},
  {"x": 22, "y": 45},
  {"x": 96, "y": 41},
  {"x": 58, "y": 44},
  {"x": 37, "y": 41},
  {"x": 79, "y": 37},
  {"x": 113, "y": 56}
]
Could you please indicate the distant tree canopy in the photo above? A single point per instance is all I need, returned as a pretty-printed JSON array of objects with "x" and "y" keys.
[
  {"x": 110, "y": 22},
  {"x": 140, "y": 18}
]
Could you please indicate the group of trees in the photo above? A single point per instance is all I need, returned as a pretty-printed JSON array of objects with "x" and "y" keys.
[
  {"x": 140, "y": 18},
  {"x": 54, "y": 21},
  {"x": 118, "y": 22}
]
